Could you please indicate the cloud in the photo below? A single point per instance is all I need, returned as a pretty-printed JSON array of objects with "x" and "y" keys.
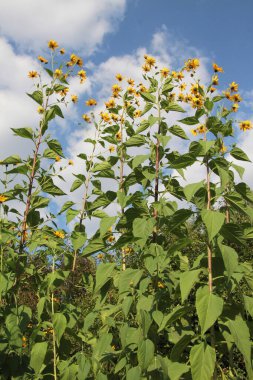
[{"x": 76, "y": 24}]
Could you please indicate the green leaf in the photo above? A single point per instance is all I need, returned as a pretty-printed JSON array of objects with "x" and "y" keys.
[
  {"x": 213, "y": 221},
  {"x": 187, "y": 280},
  {"x": 145, "y": 353},
  {"x": 208, "y": 104},
  {"x": 66, "y": 205},
  {"x": 39, "y": 202},
  {"x": 191, "y": 120},
  {"x": 176, "y": 370},
  {"x": 148, "y": 97},
  {"x": 59, "y": 325},
  {"x": 206, "y": 146},
  {"x": 191, "y": 189},
  {"x": 76, "y": 184},
  {"x": 209, "y": 307},
  {"x": 178, "y": 131},
  {"x": 240, "y": 170},
  {"x": 241, "y": 335},
  {"x": 174, "y": 107},
  {"x": 143, "y": 126},
  {"x": 133, "y": 373},
  {"x": 178, "y": 312},
  {"x": 94, "y": 245},
  {"x": 48, "y": 186},
  {"x": 230, "y": 259},
  {"x": 106, "y": 223},
  {"x": 139, "y": 160},
  {"x": 27, "y": 133},
  {"x": 78, "y": 239},
  {"x": 239, "y": 154},
  {"x": 38, "y": 355},
  {"x": 103, "y": 274},
  {"x": 136, "y": 140},
  {"x": 248, "y": 302},
  {"x": 71, "y": 214},
  {"x": 15, "y": 159},
  {"x": 37, "y": 96},
  {"x": 163, "y": 139},
  {"x": 101, "y": 166},
  {"x": 142, "y": 229},
  {"x": 217, "y": 98},
  {"x": 55, "y": 146},
  {"x": 202, "y": 359}
]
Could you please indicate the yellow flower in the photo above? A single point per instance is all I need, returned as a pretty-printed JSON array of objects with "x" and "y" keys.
[
  {"x": 33, "y": 74},
  {"x": 111, "y": 238},
  {"x": 40, "y": 109},
  {"x": 74, "y": 98},
  {"x": 212, "y": 89},
  {"x": 233, "y": 87},
  {"x": 110, "y": 103},
  {"x": 118, "y": 136},
  {"x": 180, "y": 97},
  {"x": 201, "y": 128},
  {"x": 245, "y": 125},
  {"x": 137, "y": 113},
  {"x": 59, "y": 234},
  {"x": 164, "y": 72},
  {"x": 142, "y": 88},
  {"x": 64, "y": 91},
  {"x": 42, "y": 59},
  {"x": 194, "y": 132},
  {"x": 111, "y": 148},
  {"x": 114, "y": 117},
  {"x": 236, "y": 98},
  {"x": 58, "y": 73},
  {"x": 217, "y": 69},
  {"x": 182, "y": 86},
  {"x": 146, "y": 68},
  {"x": 160, "y": 285},
  {"x": 197, "y": 102},
  {"x": 215, "y": 80},
  {"x": 82, "y": 75},
  {"x": 223, "y": 148},
  {"x": 227, "y": 94},
  {"x": 105, "y": 116},
  {"x": 192, "y": 64},
  {"x": 100, "y": 256},
  {"x": 150, "y": 61},
  {"x": 91, "y": 102},
  {"x": 62, "y": 51},
  {"x": 52, "y": 44},
  {"x": 119, "y": 77},
  {"x": 71, "y": 162},
  {"x": 180, "y": 75},
  {"x": 116, "y": 88},
  {"x": 130, "y": 90},
  {"x": 86, "y": 118},
  {"x": 57, "y": 158},
  {"x": 130, "y": 81},
  {"x": 235, "y": 107},
  {"x": 3, "y": 198}
]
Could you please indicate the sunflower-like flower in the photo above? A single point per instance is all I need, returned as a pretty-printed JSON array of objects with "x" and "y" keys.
[{"x": 52, "y": 44}]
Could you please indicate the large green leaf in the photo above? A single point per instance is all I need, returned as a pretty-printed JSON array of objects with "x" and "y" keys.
[
  {"x": 191, "y": 120},
  {"x": 136, "y": 140},
  {"x": 230, "y": 259},
  {"x": 176, "y": 370},
  {"x": 59, "y": 325},
  {"x": 187, "y": 280},
  {"x": 209, "y": 307},
  {"x": 202, "y": 359},
  {"x": 190, "y": 190},
  {"x": 239, "y": 154},
  {"x": 178, "y": 131},
  {"x": 213, "y": 221},
  {"x": 145, "y": 353},
  {"x": 27, "y": 133},
  {"x": 241, "y": 335},
  {"x": 38, "y": 355},
  {"x": 103, "y": 274}
]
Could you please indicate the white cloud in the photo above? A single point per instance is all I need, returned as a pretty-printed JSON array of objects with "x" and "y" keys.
[{"x": 76, "y": 24}]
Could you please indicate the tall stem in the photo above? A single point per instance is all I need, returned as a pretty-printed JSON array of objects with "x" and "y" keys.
[
  {"x": 121, "y": 181},
  {"x": 157, "y": 168},
  {"x": 209, "y": 256},
  {"x": 54, "y": 339}
]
